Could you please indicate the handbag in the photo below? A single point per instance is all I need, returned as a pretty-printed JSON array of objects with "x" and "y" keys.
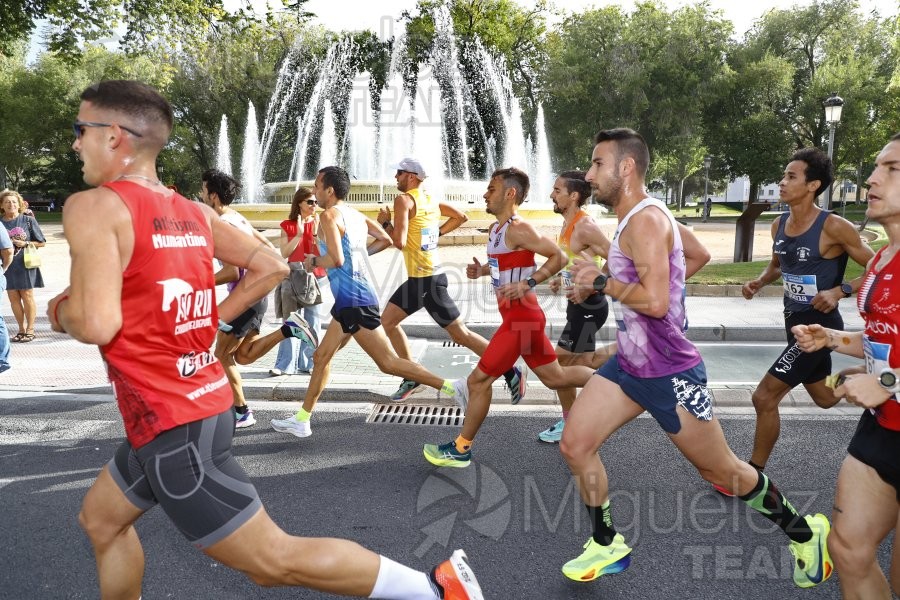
[
  {"x": 31, "y": 257},
  {"x": 304, "y": 285}
]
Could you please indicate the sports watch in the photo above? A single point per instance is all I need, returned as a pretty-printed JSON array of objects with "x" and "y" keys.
[
  {"x": 600, "y": 283},
  {"x": 847, "y": 289},
  {"x": 531, "y": 282},
  {"x": 888, "y": 380}
]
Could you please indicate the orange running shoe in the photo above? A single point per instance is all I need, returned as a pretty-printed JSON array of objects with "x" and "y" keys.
[{"x": 455, "y": 580}]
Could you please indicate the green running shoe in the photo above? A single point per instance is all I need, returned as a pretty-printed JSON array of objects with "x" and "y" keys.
[
  {"x": 597, "y": 560},
  {"x": 446, "y": 455},
  {"x": 553, "y": 434},
  {"x": 813, "y": 564}
]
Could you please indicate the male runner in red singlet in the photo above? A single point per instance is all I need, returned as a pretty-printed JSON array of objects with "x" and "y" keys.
[
  {"x": 867, "y": 500},
  {"x": 512, "y": 245},
  {"x": 142, "y": 289}
]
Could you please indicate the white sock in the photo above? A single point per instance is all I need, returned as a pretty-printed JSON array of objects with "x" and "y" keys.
[{"x": 399, "y": 582}]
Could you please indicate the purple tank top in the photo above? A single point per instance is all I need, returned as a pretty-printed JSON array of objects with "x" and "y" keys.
[{"x": 651, "y": 347}]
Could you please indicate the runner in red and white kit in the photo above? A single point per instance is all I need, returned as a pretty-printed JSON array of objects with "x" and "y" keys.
[
  {"x": 867, "y": 500},
  {"x": 512, "y": 245},
  {"x": 142, "y": 289}
]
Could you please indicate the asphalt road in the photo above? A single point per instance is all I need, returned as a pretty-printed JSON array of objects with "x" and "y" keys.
[{"x": 515, "y": 510}]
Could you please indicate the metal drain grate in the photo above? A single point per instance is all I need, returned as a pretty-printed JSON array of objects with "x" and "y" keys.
[{"x": 416, "y": 414}]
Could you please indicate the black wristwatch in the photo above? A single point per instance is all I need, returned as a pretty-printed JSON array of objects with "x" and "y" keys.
[
  {"x": 888, "y": 380},
  {"x": 531, "y": 282},
  {"x": 846, "y": 289},
  {"x": 600, "y": 283},
  {"x": 386, "y": 224}
]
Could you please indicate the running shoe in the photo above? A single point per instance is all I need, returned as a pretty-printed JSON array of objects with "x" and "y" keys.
[
  {"x": 407, "y": 388},
  {"x": 553, "y": 434},
  {"x": 724, "y": 491},
  {"x": 461, "y": 393},
  {"x": 516, "y": 384},
  {"x": 244, "y": 420},
  {"x": 291, "y": 425},
  {"x": 301, "y": 330},
  {"x": 813, "y": 564},
  {"x": 455, "y": 580},
  {"x": 597, "y": 560},
  {"x": 446, "y": 455}
]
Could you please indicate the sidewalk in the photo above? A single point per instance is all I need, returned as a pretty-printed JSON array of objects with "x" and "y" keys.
[{"x": 55, "y": 362}]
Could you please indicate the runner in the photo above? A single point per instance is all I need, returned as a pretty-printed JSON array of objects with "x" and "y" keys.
[
  {"x": 658, "y": 370},
  {"x": 511, "y": 247},
  {"x": 867, "y": 498},
  {"x": 809, "y": 252},
  {"x": 239, "y": 342},
  {"x": 142, "y": 289},
  {"x": 415, "y": 230},
  {"x": 343, "y": 233}
]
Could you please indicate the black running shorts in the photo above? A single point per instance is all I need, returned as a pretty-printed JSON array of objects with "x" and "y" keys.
[
  {"x": 583, "y": 321},
  {"x": 429, "y": 293},
  {"x": 249, "y": 320},
  {"x": 190, "y": 472},
  {"x": 877, "y": 447},
  {"x": 352, "y": 318},
  {"x": 794, "y": 366}
]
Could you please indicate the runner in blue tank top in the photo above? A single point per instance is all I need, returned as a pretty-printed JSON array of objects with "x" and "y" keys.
[
  {"x": 658, "y": 370},
  {"x": 809, "y": 252},
  {"x": 343, "y": 240}
]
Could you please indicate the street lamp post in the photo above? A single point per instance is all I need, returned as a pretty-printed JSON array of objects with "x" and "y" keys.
[
  {"x": 707, "y": 209},
  {"x": 833, "y": 106}
]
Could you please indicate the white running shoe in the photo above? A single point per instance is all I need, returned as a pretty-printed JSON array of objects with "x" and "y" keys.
[
  {"x": 291, "y": 425},
  {"x": 301, "y": 330},
  {"x": 244, "y": 420},
  {"x": 461, "y": 393}
]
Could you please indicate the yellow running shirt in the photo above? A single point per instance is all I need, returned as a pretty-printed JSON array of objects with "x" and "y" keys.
[{"x": 420, "y": 251}]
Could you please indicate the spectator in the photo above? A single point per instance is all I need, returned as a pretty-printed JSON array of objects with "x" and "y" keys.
[
  {"x": 6, "y": 255},
  {"x": 23, "y": 229}
]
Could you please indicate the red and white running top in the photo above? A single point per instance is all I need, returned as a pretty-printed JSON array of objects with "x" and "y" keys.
[{"x": 507, "y": 266}]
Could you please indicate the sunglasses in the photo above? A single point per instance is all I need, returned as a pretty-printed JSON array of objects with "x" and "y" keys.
[
  {"x": 401, "y": 172},
  {"x": 78, "y": 128},
  {"x": 312, "y": 202}
]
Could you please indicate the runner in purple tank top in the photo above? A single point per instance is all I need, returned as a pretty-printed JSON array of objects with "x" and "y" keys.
[{"x": 658, "y": 370}]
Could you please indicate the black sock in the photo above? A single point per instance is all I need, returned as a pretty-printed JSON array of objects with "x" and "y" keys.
[
  {"x": 602, "y": 524},
  {"x": 241, "y": 410},
  {"x": 286, "y": 331},
  {"x": 765, "y": 499},
  {"x": 509, "y": 375}
]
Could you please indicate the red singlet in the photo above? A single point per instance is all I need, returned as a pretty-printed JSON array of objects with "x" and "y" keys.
[
  {"x": 160, "y": 365},
  {"x": 879, "y": 304}
]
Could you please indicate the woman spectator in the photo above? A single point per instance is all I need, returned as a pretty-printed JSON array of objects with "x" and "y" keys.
[
  {"x": 20, "y": 281},
  {"x": 298, "y": 240}
]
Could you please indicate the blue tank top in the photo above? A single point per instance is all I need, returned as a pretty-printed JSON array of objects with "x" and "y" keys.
[
  {"x": 803, "y": 270},
  {"x": 350, "y": 282}
]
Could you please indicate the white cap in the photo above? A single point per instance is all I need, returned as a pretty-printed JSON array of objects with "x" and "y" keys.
[{"x": 411, "y": 165}]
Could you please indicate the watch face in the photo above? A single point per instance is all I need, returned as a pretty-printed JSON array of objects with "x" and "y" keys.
[
  {"x": 847, "y": 289},
  {"x": 888, "y": 379}
]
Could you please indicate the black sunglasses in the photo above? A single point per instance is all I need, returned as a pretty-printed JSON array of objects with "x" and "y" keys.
[
  {"x": 312, "y": 202},
  {"x": 401, "y": 172},
  {"x": 78, "y": 128}
]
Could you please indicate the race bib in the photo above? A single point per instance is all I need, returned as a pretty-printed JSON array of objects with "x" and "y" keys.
[
  {"x": 618, "y": 314},
  {"x": 430, "y": 238},
  {"x": 566, "y": 279},
  {"x": 494, "y": 266},
  {"x": 878, "y": 357},
  {"x": 800, "y": 288}
]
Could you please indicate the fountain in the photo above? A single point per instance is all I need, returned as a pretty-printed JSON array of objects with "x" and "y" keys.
[
  {"x": 460, "y": 122},
  {"x": 223, "y": 148}
]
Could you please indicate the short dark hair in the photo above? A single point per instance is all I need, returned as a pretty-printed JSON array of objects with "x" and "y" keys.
[
  {"x": 337, "y": 178},
  {"x": 223, "y": 185},
  {"x": 302, "y": 194},
  {"x": 516, "y": 179},
  {"x": 818, "y": 167},
  {"x": 628, "y": 143},
  {"x": 895, "y": 137},
  {"x": 136, "y": 99},
  {"x": 575, "y": 183}
]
